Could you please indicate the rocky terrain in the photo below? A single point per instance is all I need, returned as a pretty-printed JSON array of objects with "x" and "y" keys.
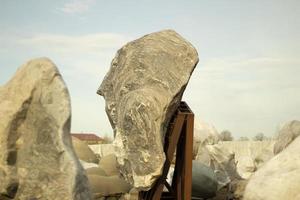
[{"x": 39, "y": 160}]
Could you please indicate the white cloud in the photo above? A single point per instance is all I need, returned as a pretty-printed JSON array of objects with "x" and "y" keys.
[
  {"x": 77, "y": 6},
  {"x": 90, "y": 43}
]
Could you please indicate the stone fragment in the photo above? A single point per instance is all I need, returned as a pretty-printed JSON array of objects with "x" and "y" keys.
[
  {"x": 286, "y": 135},
  {"x": 142, "y": 90},
  {"x": 37, "y": 160},
  {"x": 279, "y": 178}
]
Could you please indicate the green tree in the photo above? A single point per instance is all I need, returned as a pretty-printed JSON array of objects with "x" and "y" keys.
[{"x": 226, "y": 136}]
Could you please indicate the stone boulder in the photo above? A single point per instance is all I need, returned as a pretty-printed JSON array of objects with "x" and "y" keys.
[
  {"x": 83, "y": 151},
  {"x": 37, "y": 160},
  {"x": 142, "y": 90},
  {"x": 109, "y": 165},
  {"x": 221, "y": 160},
  {"x": 248, "y": 155},
  {"x": 286, "y": 135},
  {"x": 96, "y": 171},
  {"x": 205, "y": 133},
  {"x": 107, "y": 185},
  {"x": 204, "y": 181},
  {"x": 103, "y": 149},
  {"x": 279, "y": 178}
]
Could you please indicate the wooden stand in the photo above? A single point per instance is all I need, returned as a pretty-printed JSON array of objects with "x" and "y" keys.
[{"x": 179, "y": 136}]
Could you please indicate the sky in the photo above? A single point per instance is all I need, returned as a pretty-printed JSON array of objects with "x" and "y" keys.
[{"x": 247, "y": 80}]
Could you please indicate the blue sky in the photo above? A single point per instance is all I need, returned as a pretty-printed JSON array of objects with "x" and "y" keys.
[{"x": 247, "y": 80}]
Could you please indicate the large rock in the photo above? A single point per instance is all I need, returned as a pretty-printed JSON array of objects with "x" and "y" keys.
[
  {"x": 37, "y": 160},
  {"x": 221, "y": 160},
  {"x": 248, "y": 155},
  {"x": 205, "y": 133},
  {"x": 109, "y": 165},
  {"x": 286, "y": 135},
  {"x": 108, "y": 185},
  {"x": 204, "y": 181},
  {"x": 279, "y": 178},
  {"x": 103, "y": 149},
  {"x": 83, "y": 151},
  {"x": 142, "y": 91}
]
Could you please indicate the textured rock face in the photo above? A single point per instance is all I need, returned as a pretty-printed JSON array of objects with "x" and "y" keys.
[
  {"x": 142, "y": 90},
  {"x": 36, "y": 155},
  {"x": 279, "y": 178},
  {"x": 236, "y": 157},
  {"x": 102, "y": 149},
  {"x": 286, "y": 135}
]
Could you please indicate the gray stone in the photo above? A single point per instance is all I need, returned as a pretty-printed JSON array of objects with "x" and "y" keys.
[
  {"x": 286, "y": 135},
  {"x": 204, "y": 181},
  {"x": 142, "y": 90},
  {"x": 37, "y": 160}
]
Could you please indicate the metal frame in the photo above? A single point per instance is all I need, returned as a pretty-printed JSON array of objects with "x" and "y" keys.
[{"x": 179, "y": 138}]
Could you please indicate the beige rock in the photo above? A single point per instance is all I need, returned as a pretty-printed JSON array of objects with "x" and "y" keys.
[
  {"x": 142, "y": 90},
  {"x": 96, "y": 171},
  {"x": 286, "y": 135},
  {"x": 279, "y": 178},
  {"x": 37, "y": 160},
  {"x": 109, "y": 165},
  {"x": 83, "y": 151},
  {"x": 108, "y": 185},
  {"x": 103, "y": 149},
  {"x": 205, "y": 133}
]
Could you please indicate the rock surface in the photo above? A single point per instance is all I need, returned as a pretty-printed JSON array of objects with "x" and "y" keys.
[
  {"x": 109, "y": 165},
  {"x": 142, "y": 91},
  {"x": 37, "y": 160},
  {"x": 286, "y": 135},
  {"x": 108, "y": 185},
  {"x": 205, "y": 133},
  {"x": 83, "y": 151},
  {"x": 248, "y": 155},
  {"x": 279, "y": 178},
  {"x": 103, "y": 149}
]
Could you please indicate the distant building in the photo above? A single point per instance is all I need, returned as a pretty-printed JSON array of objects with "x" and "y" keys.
[{"x": 89, "y": 138}]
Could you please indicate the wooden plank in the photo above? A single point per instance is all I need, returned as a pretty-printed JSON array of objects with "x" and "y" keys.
[
  {"x": 180, "y": 136},
  {"x": 188, "y": 158},
  {"x": 172, "y": 143}
]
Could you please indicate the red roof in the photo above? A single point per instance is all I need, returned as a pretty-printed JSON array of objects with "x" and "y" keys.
[{"x": 87, "y": 136}]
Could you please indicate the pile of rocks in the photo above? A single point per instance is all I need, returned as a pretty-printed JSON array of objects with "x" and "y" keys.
[{"x": 104, "y": 178}]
